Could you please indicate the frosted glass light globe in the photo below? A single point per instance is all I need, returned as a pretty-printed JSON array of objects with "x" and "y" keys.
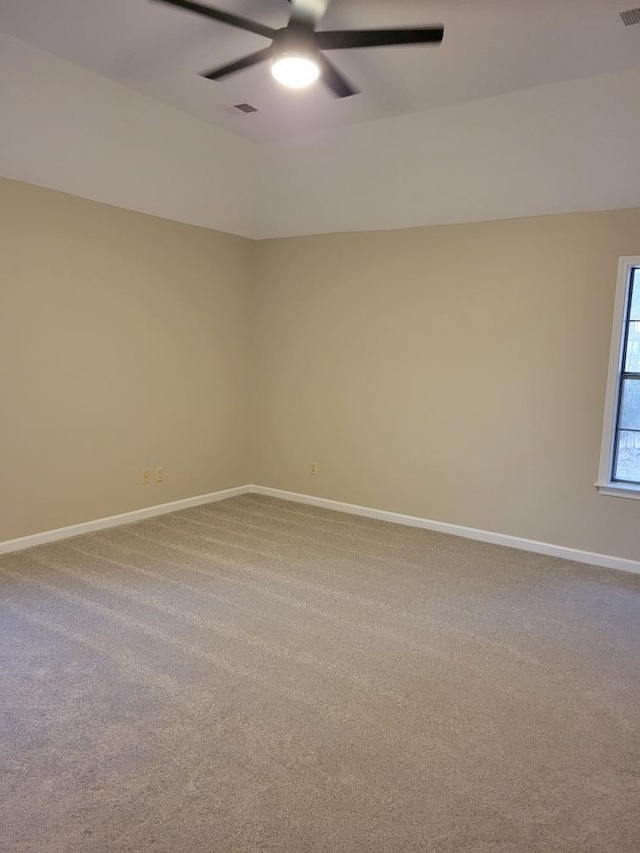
[{"x": 296, "y": 72}]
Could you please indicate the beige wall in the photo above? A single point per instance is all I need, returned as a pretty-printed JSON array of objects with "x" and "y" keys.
[
  {"x": 456, "y": 373},
  {"x": 123, "y": 345}
]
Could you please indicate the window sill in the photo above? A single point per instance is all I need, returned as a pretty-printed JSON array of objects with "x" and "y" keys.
[{"x": 619, "y": 490}]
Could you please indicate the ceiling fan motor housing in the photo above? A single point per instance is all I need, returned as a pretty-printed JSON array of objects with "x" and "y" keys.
[{"x": 297, "y": 39}]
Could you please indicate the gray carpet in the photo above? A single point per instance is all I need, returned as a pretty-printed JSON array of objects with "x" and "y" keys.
[{"x": 256, "y": 675}]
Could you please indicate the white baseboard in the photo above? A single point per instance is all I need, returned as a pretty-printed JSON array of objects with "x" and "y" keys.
[
  {"x": 589, "y": 557},
  {"x": 116, "y": 520}
]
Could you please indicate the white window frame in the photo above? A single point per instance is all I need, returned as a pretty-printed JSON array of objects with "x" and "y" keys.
[{"x": 605, "y": 485}]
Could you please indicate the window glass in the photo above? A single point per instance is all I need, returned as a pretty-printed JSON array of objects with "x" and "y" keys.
[
  {"x": 634, "y": 311},
  {"x": 619, "y": 472},
  {"x": 626, "y": 456}
]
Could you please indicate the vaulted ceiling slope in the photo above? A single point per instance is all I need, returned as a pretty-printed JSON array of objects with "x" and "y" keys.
[
  {"x": 71, "y": 130},
  {"x": 563, "y": 146}
]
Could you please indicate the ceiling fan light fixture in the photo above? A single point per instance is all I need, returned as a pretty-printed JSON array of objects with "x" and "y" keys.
[
  {"x": 295, "y": 70},
  {"x": 297, "y": 51}
]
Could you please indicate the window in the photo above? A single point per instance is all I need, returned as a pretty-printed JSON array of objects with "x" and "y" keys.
[{"x": 620, "y": 456}]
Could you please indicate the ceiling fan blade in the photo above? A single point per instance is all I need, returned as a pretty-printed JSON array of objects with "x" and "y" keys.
[
  {"x": 334, "y": 80},
  {"x": 343, "y": 39},
  {"x": 308, "y": 10},
  {"x": 239, "y": 65},
  {"x": 223, "y": 17}
]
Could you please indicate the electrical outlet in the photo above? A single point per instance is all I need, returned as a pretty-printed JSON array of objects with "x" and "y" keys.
[
  {"x": 145, "y": 475},
  {"x": 314, "y": 469},
  {"x": 159, "y": 475}
]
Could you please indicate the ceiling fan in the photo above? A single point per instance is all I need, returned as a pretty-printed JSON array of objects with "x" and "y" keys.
[{"x": 297, "y": 50}]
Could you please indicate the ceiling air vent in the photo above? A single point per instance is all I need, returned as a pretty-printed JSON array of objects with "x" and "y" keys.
[
  {"x": 247, "y": 108},
  {"x": 630, "y": 17}
]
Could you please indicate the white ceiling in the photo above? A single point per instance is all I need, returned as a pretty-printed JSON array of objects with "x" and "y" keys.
[{"x": 491, "y": 47}]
